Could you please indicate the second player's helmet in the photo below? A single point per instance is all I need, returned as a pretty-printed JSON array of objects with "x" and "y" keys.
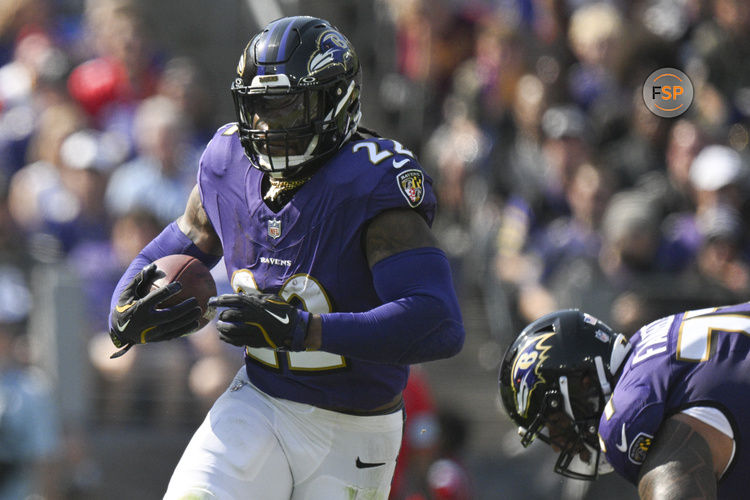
[
  {"x": 296, "y": 94},
  {"x": 555, "y": 380}
]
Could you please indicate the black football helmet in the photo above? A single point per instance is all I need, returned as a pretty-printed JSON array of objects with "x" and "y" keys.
[
  {"x": 555, "y": 380},
  {"x": 296, "y": 95}
]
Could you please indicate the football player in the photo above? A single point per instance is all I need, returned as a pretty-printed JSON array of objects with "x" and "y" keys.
[
  {"x": 666, "y": 409},
  {"x": 325, "y": 231}
]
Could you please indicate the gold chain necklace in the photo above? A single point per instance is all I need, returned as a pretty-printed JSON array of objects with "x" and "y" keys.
[{"x": 278, "y": 186}]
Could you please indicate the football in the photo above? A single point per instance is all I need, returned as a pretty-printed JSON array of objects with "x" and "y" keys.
[{"x": 195, "y": 278}]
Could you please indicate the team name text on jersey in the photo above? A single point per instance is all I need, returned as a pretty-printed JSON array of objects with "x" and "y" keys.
[{"x": 275, "y": 262}]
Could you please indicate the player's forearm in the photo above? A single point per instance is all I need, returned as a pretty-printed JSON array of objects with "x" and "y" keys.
[
  {"x": 419, "y": 321},
  {"x": 380, "y": 335}
]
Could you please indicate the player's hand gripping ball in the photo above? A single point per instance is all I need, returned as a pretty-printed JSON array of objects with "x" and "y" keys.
[
  {"x": 257, "y": 319},
  {"x": 166, "y": 299}
]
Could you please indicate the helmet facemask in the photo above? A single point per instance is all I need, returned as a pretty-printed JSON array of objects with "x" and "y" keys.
[
  {"x": 278, "y": 130},
  {"x": 283, "y": 129},
  {"x": 296, "y": 95},
  {"x": 568, "y": 421},
  {"x": 571, "y": 424}
]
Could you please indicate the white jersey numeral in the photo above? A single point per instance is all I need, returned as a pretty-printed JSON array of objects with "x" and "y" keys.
[
  {"x": 314, "y": 299},
  {"x": 696, "y": 332},
  {"x": 376, "y": 155}
]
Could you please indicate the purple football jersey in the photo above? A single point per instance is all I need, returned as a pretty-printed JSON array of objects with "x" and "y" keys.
[
  {"x": 695, "y": 358},
  {"x": 311, "y": 253}
]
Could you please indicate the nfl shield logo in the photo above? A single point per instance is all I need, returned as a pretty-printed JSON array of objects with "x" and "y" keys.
[{"x": 274, "y": 228}]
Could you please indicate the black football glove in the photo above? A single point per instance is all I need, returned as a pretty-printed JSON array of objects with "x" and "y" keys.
[
  {"x": 136, "y": 319},
  {"x": 260, "y": 320}
]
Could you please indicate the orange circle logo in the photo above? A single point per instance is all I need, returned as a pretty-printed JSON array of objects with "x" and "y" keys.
[{"x": 668, "y": 92}]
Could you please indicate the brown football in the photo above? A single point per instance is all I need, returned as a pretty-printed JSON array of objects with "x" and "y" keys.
[{"x": 195, "y": 278}]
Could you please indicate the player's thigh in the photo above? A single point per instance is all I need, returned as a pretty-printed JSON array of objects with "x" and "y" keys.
[
  {"x": 233, "y": 454},
  {"x": 359, "y": 462}
]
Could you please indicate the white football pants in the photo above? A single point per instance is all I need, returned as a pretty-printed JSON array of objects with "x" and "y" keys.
[{"x": 256, "y": 447}]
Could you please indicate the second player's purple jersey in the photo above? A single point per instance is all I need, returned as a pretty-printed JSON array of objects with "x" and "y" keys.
[
  {"x": 696, "y": 358},
  {"x": 311, "y": 252}
]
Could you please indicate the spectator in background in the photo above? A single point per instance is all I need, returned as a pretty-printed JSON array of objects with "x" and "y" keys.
[
  {"x": 712, "y": 231},
  {"x": 145, "y": 400},
  {"x": 29, "y": 432},
  {"x": 83, "y": 173},
  {"x": 431, "y": 39},
  {"x": 160, "y": 177},
  {"x": 579, "y": 233},
  {"x": 596, "y": 35},
  {"x": 122, "y": 71},
  {"x": 566, "y": 242},
  {"x": 533, "y": 204},
  {"x": 722, "y": 41},
  {"x": 18, "y": 18},
  {"x": 719, "y": 175},
  {"x": 421, "y": 434},
  {"x": 720, "y": 258},
  {"x": 564, "y": 146},
  {"x": 413, "y": 38},
  {"x": 448, "y": 478},
  {"x": 714, "y": 177},
  {"x": 99, "y": 263},
  {"x": 639, "y": 150},
  {"x": 181, "y": 82},
  {"x": 429, "y": 465},
  {"x": 488, "y": 80},
  {"x": 38, "y": 195},
  {"x": 455, "y": 150},
  {"x": 123, "y": 68},
  {"x": 519, "y": 158},
  {"x": 625, "y": 266},
  {"x": 672, "y": 186},
  {"x": 30, "y": 82},
  {"x": 406, "y": 87}
]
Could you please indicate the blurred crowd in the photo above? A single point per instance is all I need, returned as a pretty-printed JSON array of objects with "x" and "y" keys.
[
  {"x": 557, "y": 187},
  {"x": 100, "y": 135}
]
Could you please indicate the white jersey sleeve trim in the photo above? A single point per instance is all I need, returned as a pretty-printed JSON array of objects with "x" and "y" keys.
[
  {"x": 716, "y": 419},
  {"x": 711, "y": 416}
]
